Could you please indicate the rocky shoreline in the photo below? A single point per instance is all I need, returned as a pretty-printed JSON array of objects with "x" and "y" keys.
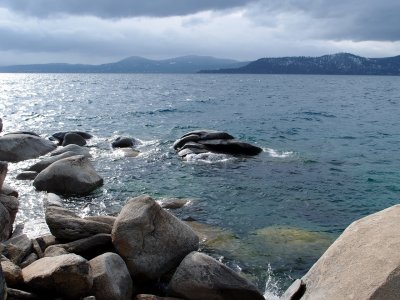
[{"x": 145, "y": 252}]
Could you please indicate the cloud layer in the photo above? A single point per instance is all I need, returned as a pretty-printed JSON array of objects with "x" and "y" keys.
[{"x": 100, "y": 31}]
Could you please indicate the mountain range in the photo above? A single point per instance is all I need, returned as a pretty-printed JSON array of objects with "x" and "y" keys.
[
  {"x": 133, "y": 64},
  {"x": 335, "y": 64}
]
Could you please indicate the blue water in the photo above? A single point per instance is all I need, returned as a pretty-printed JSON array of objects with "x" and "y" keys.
[{"x": 330, "y": 153}]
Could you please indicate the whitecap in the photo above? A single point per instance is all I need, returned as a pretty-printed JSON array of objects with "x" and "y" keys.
[
  {"x": 272, "y": 289},
  {"x": 208, "y": 157},
  {"x": 278, "y": 154}
]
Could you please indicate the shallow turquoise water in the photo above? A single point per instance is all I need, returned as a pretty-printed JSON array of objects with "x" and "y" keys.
[{"x": 330, "y": 153}]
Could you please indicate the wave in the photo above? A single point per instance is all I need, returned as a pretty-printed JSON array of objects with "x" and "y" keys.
[
  {"x": 209, "y": 158},
  {"x": 278, "y": 154}
]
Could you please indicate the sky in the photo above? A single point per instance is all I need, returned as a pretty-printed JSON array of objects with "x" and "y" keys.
[{"x": 101, "y": 31}]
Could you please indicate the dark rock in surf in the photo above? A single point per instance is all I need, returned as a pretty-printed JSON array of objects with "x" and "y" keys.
[
  {"x": 203, "y": 141},
  {"x": 73, "y": 139},
  {"x": 78, "y": 150},
  {"x": 124, "y": 142},
  {"x": 43, "y": 164},
  {"x": 27, "y": 175},
  {"x": 59, "y": 136}
]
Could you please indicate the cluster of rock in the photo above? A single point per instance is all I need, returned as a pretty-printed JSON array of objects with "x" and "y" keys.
[
  {"x": 144, "y": 249},
  {"x": 205, "y": 141}
]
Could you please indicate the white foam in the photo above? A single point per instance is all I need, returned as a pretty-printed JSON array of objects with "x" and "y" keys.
[
  {"x": 278, "y": 154},
  {"x": 272, "y": 289},
  {"x": 208, "y": 157}
]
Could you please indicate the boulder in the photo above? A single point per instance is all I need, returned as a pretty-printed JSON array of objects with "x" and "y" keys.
[
  {"x": 78, "y": 150},
  {"x": 1, "y": 129},
  {"x": 197, "y": 142},
  {"x": 29, "y": 259},
  {"x": 44, "y": 242},
  {"x": 111, "y": 278},
  {"x": 88, "y": 247},
  {"x": 362, "y": 263},
  {"x": 73, "y": 139},
  {"x": 110, "y": 220},
  {"x": 23, "y": 132},
  {"x": 150, "y": 239},
  {"x": 8, "y": 191},
  {"x": 12, "y": 273},
  {"x": 3, "y": 287},
  {"x": 3, "y": 172},
  {"x": 61, "y": 135},
  {"x": 11, "y": 204},
  {"x": 27, "y": 175},
  {"x": 72, "y": 175},
  {"x": 68, "y": 276},
  {"x": 44, "y": 163},
  {"x": 200, "y": 276},
  {"x": 17, "y": 248},
  {"x": 5, "y": 223},
  {"x": 124, "y": 142},
  {"x": 19, "y": 147},
  {"x": 66, "y": 225}
]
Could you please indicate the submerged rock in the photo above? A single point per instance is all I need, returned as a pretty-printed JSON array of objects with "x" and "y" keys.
[
  {"x": 61, "y": 135},
  {"x": 27, "y": 175},
  {"x": 124, "y": 142},
  {"x": 19, "y": 147},
  {"x": 73, "y": 139},
  {"x": 72, "y": 175},
  {"x": 150, "y": 239},
  {"x": 199, "y": 277},
  {"x": 203, "y": 141},
  {"x": 362, "y": 263}
]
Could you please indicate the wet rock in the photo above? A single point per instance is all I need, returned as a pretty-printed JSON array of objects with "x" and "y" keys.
[
  {"x": 73, "y": 139},
  {"x": 61, "y": 135},
  {"x": 72, "y": 175},
  {"x": 197, "y": 142},
  {"x": 17, "y": 248},
  {"x": 44, "y": 163},
  {"x": 151, "y": 240},
  {"x": 362, "y": 263},
  {"x": 201, "y": 277},
  {"x": 69, "y": 276},
  {"x": 3, "y": 287},
  {"x": 111, "y": 278},
  {"x": 9, "y": 191},
  {"x": 66, "y": 225},
  {"x": 124, "y": 142},
  {"x": 19, "y": 147},
  {"x": 27, "y": 175},
  {"x": 12, "y": 273},
  {"x": 3, "y": 172},
  {"x": 78, "y": 150}
]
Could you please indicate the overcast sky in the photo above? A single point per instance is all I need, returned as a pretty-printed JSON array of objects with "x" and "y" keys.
[{"x": 98, "y": 31}]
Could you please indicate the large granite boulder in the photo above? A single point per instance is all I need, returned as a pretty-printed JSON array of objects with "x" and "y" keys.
[
  {"x": 150, "y": 239},
  {"x": 72, "y": 175},
  {"x": 203, "y": 141},
  {"x": 19, "y": 147},
  {"x": 200, "y": 277},
  {"x": 44, "y": 163},
  {"x": 68, "y": 276},
  {"x": 17, "y": 248},
  {"x": 363, "y": 263},
  {"x": 68, "y": 226},
  {"x": 12, "y": 273},
  {"x": 111, "y": 278}
]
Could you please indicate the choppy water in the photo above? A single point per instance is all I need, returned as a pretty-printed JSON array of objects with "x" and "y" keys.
[{"x": 330, "y": 154}]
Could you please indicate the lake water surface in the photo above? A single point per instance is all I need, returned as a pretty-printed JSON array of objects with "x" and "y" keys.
[{"x": 330, "y": 155}]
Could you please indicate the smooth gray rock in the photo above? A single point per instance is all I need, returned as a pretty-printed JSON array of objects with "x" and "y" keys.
[
  {"x": 233, "y": 147},
  {"x": 66, "y": 225},
  {"x": 78, "y": 150},
  {"x": 200, "y": 277},
  {"x": 111, "y": 278},
  {"x": 44, "y": 163},
  {"x": 69, "y": 276},
  {"x": 199, "y": 135},
  {"x": 3, "y": 172},
  {"x": 12, "y": 273},
  {"x": 363, "y": 263},
  {"x": 110, "y": 220},
  {"x": 73, "y": 139},
  {"x": 14, "y": 294},
  {"x": 17, "y": 248},
  {"x": 54, "y": 250},
  {"x": 71, "y": 176},
  {"x": 27, "y": 175},
  {"x": 150, "y": 239},
  {"x": 9, "y": 191},
  {"x": 29, "y": 259},
  {"x": 11, "y": 204},
  {"x": 19, "y": 147}
]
